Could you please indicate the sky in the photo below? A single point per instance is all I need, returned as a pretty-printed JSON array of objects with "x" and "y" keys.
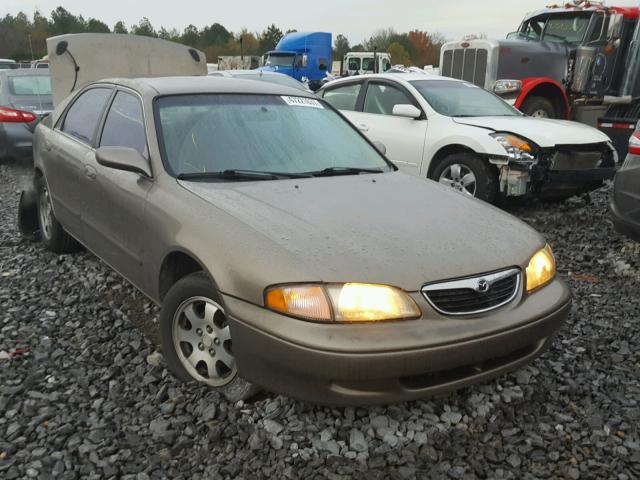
[{"x": 356, "y": 19}]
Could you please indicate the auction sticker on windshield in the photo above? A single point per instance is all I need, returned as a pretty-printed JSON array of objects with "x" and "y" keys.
[{"x": 302, "y": 102}]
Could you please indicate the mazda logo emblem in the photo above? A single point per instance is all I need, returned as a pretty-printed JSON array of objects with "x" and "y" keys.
[{"x": 483, "y": 286}]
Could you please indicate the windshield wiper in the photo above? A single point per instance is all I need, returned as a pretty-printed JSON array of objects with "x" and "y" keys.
[
  {"x": 333, "y": 171},
  {"x": 235, "y": 174}
]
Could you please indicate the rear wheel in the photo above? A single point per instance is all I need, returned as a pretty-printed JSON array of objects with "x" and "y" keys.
[
  {"x": 468, "y": 174},
  {"x": 196, "y": 338},
  {"x": 52, "y": 234},
  {"x": 539, "y": 107}
]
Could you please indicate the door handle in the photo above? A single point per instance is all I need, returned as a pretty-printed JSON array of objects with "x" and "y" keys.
[
  {"x": 47, "y": 145},
  {"x": 363, "y": 128},
  {"x": 90, "y": 172}
]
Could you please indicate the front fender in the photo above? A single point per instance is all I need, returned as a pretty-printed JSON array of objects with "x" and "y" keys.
[
  {"x": 531, "y": 84},
  {"x": 470, "y": 137}
]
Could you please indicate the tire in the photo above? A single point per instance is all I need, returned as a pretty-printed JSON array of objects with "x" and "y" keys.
[
  {"x": 52, "y": 234},
  {"x": 539, "y": 107},
  {"x": 196, "y": 339},
  {"x": 486, "y": 176}
]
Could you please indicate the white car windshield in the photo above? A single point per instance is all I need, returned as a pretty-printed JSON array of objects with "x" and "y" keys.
[
  {"x": 216, "y": 133},
  {"x": 461, "y": 99}
]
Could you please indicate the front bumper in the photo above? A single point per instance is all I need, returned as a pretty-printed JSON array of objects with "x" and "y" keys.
[{"x": 391, "y": 361}]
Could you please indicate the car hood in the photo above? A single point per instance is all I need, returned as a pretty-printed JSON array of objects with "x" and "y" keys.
[
  {"x": 543, "y": 132},
  {"x": 388, "y": 228}
]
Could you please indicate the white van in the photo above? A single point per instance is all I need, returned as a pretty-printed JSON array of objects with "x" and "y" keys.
[{"x": 359, "y": 63}]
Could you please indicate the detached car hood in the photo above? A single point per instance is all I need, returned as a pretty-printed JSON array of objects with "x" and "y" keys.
[
  {"x": 388, "y": 228},
  {"x": 543, "y": 132}
]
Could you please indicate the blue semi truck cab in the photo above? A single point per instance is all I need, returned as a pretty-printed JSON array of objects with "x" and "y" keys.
[{"x": 302, "y": 55}]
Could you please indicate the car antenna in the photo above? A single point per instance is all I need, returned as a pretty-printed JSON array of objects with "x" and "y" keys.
[{"x": 61, "y": 49}]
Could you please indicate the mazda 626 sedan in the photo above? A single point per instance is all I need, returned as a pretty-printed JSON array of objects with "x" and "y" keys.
[{"x": 285, "y": 250}]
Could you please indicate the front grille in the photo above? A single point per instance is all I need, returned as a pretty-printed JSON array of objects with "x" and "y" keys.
[
  {"x": 468, "y": 64},
  {"x": 478, "y": 294}
]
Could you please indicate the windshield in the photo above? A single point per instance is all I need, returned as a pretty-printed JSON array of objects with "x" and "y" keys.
[
  {"x": 461, "y": 99},
  {"x": 265, "y": 133},
  {"x": 31, "y": 85},
  {"x": 272, "y": 78},
  {"x": 570, "y": 28},
  {"x": 280, "y": 60}
]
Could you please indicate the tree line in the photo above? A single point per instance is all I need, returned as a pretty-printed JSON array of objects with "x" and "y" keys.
[{"x": 23, "y": 38}]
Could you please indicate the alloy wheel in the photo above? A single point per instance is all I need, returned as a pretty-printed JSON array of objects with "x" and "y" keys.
[
  {"x": 46, "y": 213},
  {"x": 202, "y": 340},
  {"x": 459, "y": 177},
  {"x": 540, "y": 113}
]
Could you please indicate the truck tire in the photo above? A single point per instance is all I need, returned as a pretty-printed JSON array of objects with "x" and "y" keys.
[
  {"x": 539, "y": 107},
  {"x": 52, "y": 235},
  {"x": 196, "y": 338},
  {"x": 469, "y": 174}
]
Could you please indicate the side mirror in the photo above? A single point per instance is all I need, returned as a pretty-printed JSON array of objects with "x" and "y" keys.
[
  {"x": 380, "y": 146},
  {"x": 406, "y": 110},
  {"x": 616, "y": 22},
  {"x": 122, "y": 158},
  {"x": 305, "y": 61}
]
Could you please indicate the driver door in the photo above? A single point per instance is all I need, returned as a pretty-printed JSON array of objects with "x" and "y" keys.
[{"x": 115, "y": 212}]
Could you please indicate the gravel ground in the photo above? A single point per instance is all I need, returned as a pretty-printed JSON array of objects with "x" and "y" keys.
[{"x": 86, "y": 395}]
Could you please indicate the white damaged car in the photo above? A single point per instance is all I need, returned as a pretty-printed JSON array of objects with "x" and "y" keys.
[{"x": 463, "y": 136}]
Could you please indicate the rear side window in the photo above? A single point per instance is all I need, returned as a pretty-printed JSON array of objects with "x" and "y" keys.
[
  {"x": 82, "y": 118},
  {"x": 124, "y": 126},
  {"x": 343, "y": 98},
  {"x": 30, "y": 85}
]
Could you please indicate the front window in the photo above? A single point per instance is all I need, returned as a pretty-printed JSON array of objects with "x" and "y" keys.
[
  {"x": 368, "y": 64},
  {"x": 354, "y": 64},
  {"x": 559, "y": 28},
  {"x": 261, "y": 133},
  {"x": 461, "y": 99},
  {"x": 30, "y": 85},
  {"x": 280, "y": 60}
]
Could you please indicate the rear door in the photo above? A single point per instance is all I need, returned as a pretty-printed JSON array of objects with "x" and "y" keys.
[
  {"x": 403, "y": 137},
  {"x": 114, "y": 212},
  {"x": 64, "y": 151}
]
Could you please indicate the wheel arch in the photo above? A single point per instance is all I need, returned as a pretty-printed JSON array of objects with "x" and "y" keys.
[
  {"x": 547, "y": 88},
  {"x": 177, "y": 264},
  {"x": 444, "y": 152}
]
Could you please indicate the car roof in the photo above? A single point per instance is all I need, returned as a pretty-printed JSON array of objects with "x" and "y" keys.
[
  {"x": 399, "y": 77},
  {"x": 257, "y": 71},
  {"x": 159, "y": 86}
]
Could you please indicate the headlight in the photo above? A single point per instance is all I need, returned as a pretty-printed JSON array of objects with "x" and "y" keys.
[
  {"x": 502, "y": 87},
  {"x": 342, "y": 302},
  {"x": 516, "y": 147},
  {"x": 541, "y": 269}
]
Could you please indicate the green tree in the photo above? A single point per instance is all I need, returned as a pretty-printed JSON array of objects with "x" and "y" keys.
[
  {"x": 216, "y": 35},
  {"x": 270, "y": 38},
  {"x": 190, "y": 36},
  {"x": 96, "y": 26},
  {"x": 341, "y": 47},
  {"x": 63, "y": 21},
  {"x": 172, "y": 35},
  {"x": 120, "y": 27},
  {"x": 144, "y": 28},
  {"x": 399, "y": 54}
]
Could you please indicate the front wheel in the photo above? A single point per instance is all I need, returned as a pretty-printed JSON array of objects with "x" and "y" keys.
[
  {"x": 196, "y": 338},
  {"x": 538, "y": 107},
  {"x": 468, "y": 174}
]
